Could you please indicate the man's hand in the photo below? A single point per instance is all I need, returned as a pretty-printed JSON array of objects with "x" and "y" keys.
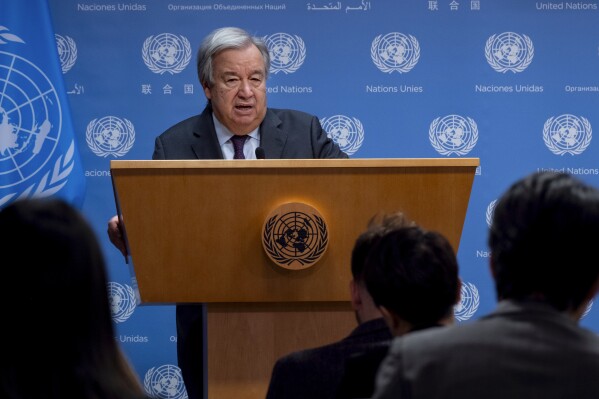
[{"x": 116, "y": 236}]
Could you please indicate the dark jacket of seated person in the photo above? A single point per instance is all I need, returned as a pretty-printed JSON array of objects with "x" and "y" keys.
[
  {"x": 315, "y": 373},
  {"x": 360, "y": 371},
  {"x": 320, "y": 369},
  {"x": 412, "y": 276}
]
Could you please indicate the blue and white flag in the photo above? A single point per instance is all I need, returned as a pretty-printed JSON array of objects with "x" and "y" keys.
[{"x": 38, "y": 152}]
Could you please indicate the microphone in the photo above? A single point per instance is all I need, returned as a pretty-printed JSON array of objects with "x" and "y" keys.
[{"x": 260, "y": 153}]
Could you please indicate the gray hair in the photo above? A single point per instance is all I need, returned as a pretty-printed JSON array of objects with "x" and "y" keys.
[{"x": 224, "y": 39}]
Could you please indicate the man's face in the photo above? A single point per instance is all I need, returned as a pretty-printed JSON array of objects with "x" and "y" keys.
[{"x": 238, "y": 94}]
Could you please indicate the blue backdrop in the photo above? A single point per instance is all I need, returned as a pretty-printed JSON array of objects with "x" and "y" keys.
[{"x": 513, "y": 82}]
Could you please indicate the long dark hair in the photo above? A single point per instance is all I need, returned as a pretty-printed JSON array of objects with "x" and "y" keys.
[{"x": 56, "y": 308}]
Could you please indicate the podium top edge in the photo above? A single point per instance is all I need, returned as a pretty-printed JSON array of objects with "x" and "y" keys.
[{"x": 295, "y": 163}]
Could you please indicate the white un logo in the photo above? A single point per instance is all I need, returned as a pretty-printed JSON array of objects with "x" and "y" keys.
[
  {"x": 110, "y": 136},
  {"x": 469, "y": 302},
  {"x": 567, "y": 134},
  {"x": 587, "y": 310},
  {"x": 395, "y": 52},
  {"x": 453, "y": 134},
  {"x": 509, "y": 51},
  {"x": 166, "y": 53},
  {"x": 67, "y": 52},
  {"x": 30, "y": 129},
  {"x": 347, "y": 132},
  {"x": 489, "y": 213},
  {"x": 165, "y": 382},
  {"x": 287, "y": 53},
  {"x": 122, "y": 301}
]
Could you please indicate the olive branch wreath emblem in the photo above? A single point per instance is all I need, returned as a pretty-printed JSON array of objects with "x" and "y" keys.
[{"x": 271, "y": 247}]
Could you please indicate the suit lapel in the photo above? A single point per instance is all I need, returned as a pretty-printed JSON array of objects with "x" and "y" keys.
[
  {"x": 206, "y": 146},
  {"x": 272, "y": 137}
]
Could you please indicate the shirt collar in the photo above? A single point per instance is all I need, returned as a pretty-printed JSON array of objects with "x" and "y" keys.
[{"x": 223, "y": 134}]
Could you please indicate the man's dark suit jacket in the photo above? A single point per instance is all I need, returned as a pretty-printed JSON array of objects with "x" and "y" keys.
[
  {"x": 316, "y": 373},
  {"x": 361, "y": 369},
  {"x": 284, "y": 134},
  {"x": 360, "y": 372}
]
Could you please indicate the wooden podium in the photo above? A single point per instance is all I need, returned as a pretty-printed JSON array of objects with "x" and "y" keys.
[{"x": 194, "y": 230}]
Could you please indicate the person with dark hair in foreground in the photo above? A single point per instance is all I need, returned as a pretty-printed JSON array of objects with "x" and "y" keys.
[
  {"x": 56, "y": 296},
  {"x": 315, "y": 373},
  {"x": 541, "y": 239},
  {"x": 232, "y": 68},
  {"x": 412, "y": 276},
  {"x": 319, "y": 372}
]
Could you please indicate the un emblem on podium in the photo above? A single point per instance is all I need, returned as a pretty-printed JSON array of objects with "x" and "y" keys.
[{"x": 295, "y": 236}]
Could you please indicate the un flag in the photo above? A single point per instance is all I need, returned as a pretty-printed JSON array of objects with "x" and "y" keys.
[{"x": 38, "y": 151}]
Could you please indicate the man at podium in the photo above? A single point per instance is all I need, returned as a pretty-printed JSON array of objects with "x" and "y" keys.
[{"x": 236, "y": 123}]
